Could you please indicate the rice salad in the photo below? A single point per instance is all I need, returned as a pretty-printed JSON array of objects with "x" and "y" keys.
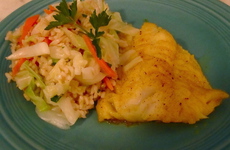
[{"x": 67, "y": 58}]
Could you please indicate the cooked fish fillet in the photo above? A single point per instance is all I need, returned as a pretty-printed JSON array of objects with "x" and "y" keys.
[{"x": 168, "y": 85}]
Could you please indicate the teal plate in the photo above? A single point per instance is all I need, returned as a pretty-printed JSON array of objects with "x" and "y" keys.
[{"x": 202, "y": 27}]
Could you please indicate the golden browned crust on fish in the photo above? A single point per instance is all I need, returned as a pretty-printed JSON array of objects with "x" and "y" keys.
[{"x": 168, "y": 85}]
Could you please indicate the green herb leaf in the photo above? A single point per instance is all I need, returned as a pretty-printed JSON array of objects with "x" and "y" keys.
[
  {"x": 99, "y": 20},
  {"x": 54, "y": 61},
  {"x": 66, "y": 14},
  {"x": 63, "y": 8},
  {"x": 98, "y": 48},
  {"x": 55, "y": 98},
  {"x": 146, "y": 20},
  {"x": 84, "y": 15},
  {"x": 73, "y": 9}
]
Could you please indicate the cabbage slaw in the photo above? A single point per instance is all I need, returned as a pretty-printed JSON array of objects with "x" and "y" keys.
[{"x": 58, "y": 72}]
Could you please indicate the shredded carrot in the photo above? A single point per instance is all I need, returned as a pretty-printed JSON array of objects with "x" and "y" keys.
[
  {"x": 18, "y": 65},
  {"x": 27, "y": 27},
  {"x": 47, "y": 11},
  {"x": 108, "y": 83},
  {"x": 47, "y": 40},
  {"x": 104, "y": 66},
  {"x": 50, "y": 10},
  {"x": 90, "y": 45}
]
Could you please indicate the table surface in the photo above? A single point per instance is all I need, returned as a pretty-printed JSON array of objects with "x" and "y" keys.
[
  {"x": 226, "y": 2},
  {"x": 6, "y": 6}
]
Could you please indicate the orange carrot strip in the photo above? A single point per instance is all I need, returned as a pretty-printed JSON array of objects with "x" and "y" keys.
[
  {"x": 47, "y": 11},
  {"x": 50, "y": 10},
  {"x": 104, "y": 66},
  {"x": 18, "y": 65},
  {"x": 108, "y": 83},
  {"x": 90, "y": 45},
  {"x": 28, "y": 27},
  {"x": 47, "y": 40}
]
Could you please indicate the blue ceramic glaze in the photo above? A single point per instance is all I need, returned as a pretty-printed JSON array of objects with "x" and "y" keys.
[{"x": 201, "y": 27}]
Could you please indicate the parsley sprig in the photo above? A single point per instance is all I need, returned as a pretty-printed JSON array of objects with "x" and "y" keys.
[
  {"x": 98, "y": 21},
  {"x": 66, "y": 15}
]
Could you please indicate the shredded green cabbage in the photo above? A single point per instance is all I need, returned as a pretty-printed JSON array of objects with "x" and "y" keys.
[
  {"x": 23, "y": 79},
  {"x": 65, "y": 104},
  {"x": 119, "y": 25},
  {"x": 75, "y": 39},
  {"x": 110, "y": 51},
  {"x": 30, "y": 51},
  {"x": 38, "y": 78},
  {"x": 40, "y": 103},
  {"x": 59, "y": 71}
]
